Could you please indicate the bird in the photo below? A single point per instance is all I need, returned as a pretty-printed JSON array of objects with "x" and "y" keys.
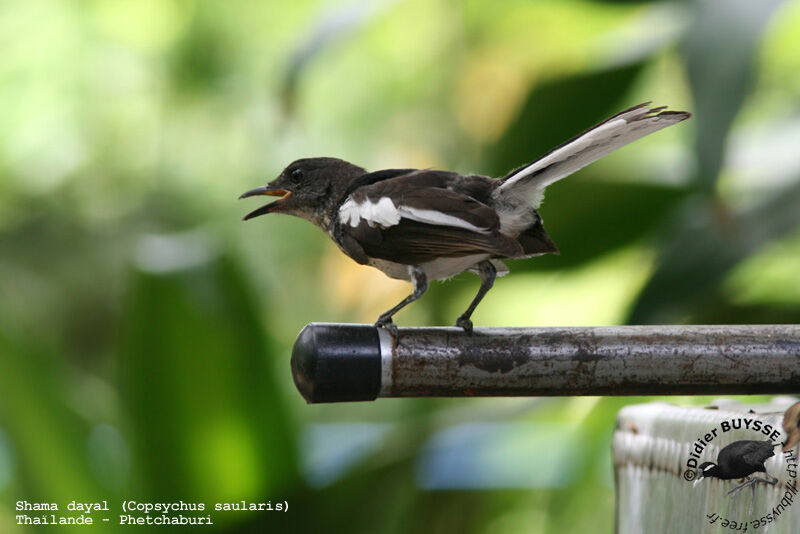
[
  {"x": 419, "y": 225},
  {"x": 741, "y": 459}
]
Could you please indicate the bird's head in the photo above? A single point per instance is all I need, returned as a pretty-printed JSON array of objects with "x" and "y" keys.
[
  {"x": 706, "y": 469},
  {"x": 309, "y": 188}
]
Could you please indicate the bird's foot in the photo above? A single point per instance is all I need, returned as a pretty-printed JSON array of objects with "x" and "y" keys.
[
  {"x": 387, "y": 324},
  {"x": 747, "y": 482},
  {"x": 464, "y": 323},
  {"x": 752, "y": 481}
]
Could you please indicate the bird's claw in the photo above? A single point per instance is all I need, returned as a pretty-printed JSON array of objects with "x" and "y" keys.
[
  {"x": 464, "y": 323},
  {"x": 387, "y": 324}
]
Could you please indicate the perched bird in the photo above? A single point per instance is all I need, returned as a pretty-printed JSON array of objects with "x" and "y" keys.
[
  {"x": 421, "y": 225},
  {"x": 741, "y": 459}
]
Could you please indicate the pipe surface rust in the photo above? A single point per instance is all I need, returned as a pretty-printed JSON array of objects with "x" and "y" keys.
[{"x": 343, "y": 362}]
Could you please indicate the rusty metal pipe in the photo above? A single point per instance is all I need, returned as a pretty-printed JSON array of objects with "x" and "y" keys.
[{"x": 346, "y": 362}]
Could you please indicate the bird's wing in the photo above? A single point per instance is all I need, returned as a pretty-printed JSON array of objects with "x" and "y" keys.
[
  {"x": 529, "y": 182},
  {"x": 411, "y": 225},
  {"x": 386, "y": 203},
  {"x": 375, "y": 177},
  {"x": 751, "y": 453},
  {"x": 760, "y": 453},
  {"x": 414, "y": 243}
]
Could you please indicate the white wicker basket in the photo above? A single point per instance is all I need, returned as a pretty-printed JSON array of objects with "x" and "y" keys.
[{"x": 652, "y": 445}]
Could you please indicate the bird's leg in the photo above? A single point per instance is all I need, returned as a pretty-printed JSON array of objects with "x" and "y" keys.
[
  {"x": 488, "y": 273},
  {"x": 772, "y": 480},
  {"x": 420, "y": 282},
  {"x": 747, "y": 481},
  {"x": 752, "y": 483}
]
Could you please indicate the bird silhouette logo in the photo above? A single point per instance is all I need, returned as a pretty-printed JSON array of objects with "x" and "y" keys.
[{"x": 740, "y": 459}]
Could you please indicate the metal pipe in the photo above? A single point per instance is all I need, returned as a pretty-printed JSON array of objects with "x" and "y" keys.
[{"x": 345, "y": 362}]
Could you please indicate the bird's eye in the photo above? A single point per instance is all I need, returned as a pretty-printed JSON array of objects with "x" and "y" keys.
[{"x": 296, "y": 175}]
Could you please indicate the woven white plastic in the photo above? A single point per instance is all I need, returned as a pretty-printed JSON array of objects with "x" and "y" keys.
[{"x": 652, "y": 446}]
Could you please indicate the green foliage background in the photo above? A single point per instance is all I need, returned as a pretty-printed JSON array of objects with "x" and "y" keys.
[{"x": 145, "y": 331}]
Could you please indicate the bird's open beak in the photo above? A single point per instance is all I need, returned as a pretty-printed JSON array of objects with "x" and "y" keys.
[{"x": 273, "y": 206}]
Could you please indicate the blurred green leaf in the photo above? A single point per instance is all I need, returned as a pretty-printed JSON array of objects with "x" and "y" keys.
[
  {"x": 704, "y": 241},
  {"x": 330, "y": 28},
  {"x": 587, "y": 218},
  {"x": 720, "y": 50},
  {"x": 557, "y": 110},
  {"x": 197, "y": 380},
  {"x": 48, "y": 439},
  {"x": 201, "y": 58}
]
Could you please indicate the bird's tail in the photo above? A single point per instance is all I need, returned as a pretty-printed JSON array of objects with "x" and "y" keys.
[{"x": 526, "y": 184}]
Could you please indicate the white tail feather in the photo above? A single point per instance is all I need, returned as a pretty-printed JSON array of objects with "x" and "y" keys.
[{"x": 526, "y": 187}]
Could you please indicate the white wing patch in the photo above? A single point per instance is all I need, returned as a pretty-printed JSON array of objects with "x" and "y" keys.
[
  {"x": 438, "y": 218},
  {"x": 382, "y": 213},
  {"x": 385, "y": 214}
]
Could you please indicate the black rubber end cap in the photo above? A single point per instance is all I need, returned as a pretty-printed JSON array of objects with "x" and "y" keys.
[{"x": 337, "y": 362}]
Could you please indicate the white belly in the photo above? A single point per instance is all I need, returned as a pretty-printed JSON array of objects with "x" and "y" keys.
[
  {"x": 434, "y": 270},
  {"x": 398, "y": 271}
]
